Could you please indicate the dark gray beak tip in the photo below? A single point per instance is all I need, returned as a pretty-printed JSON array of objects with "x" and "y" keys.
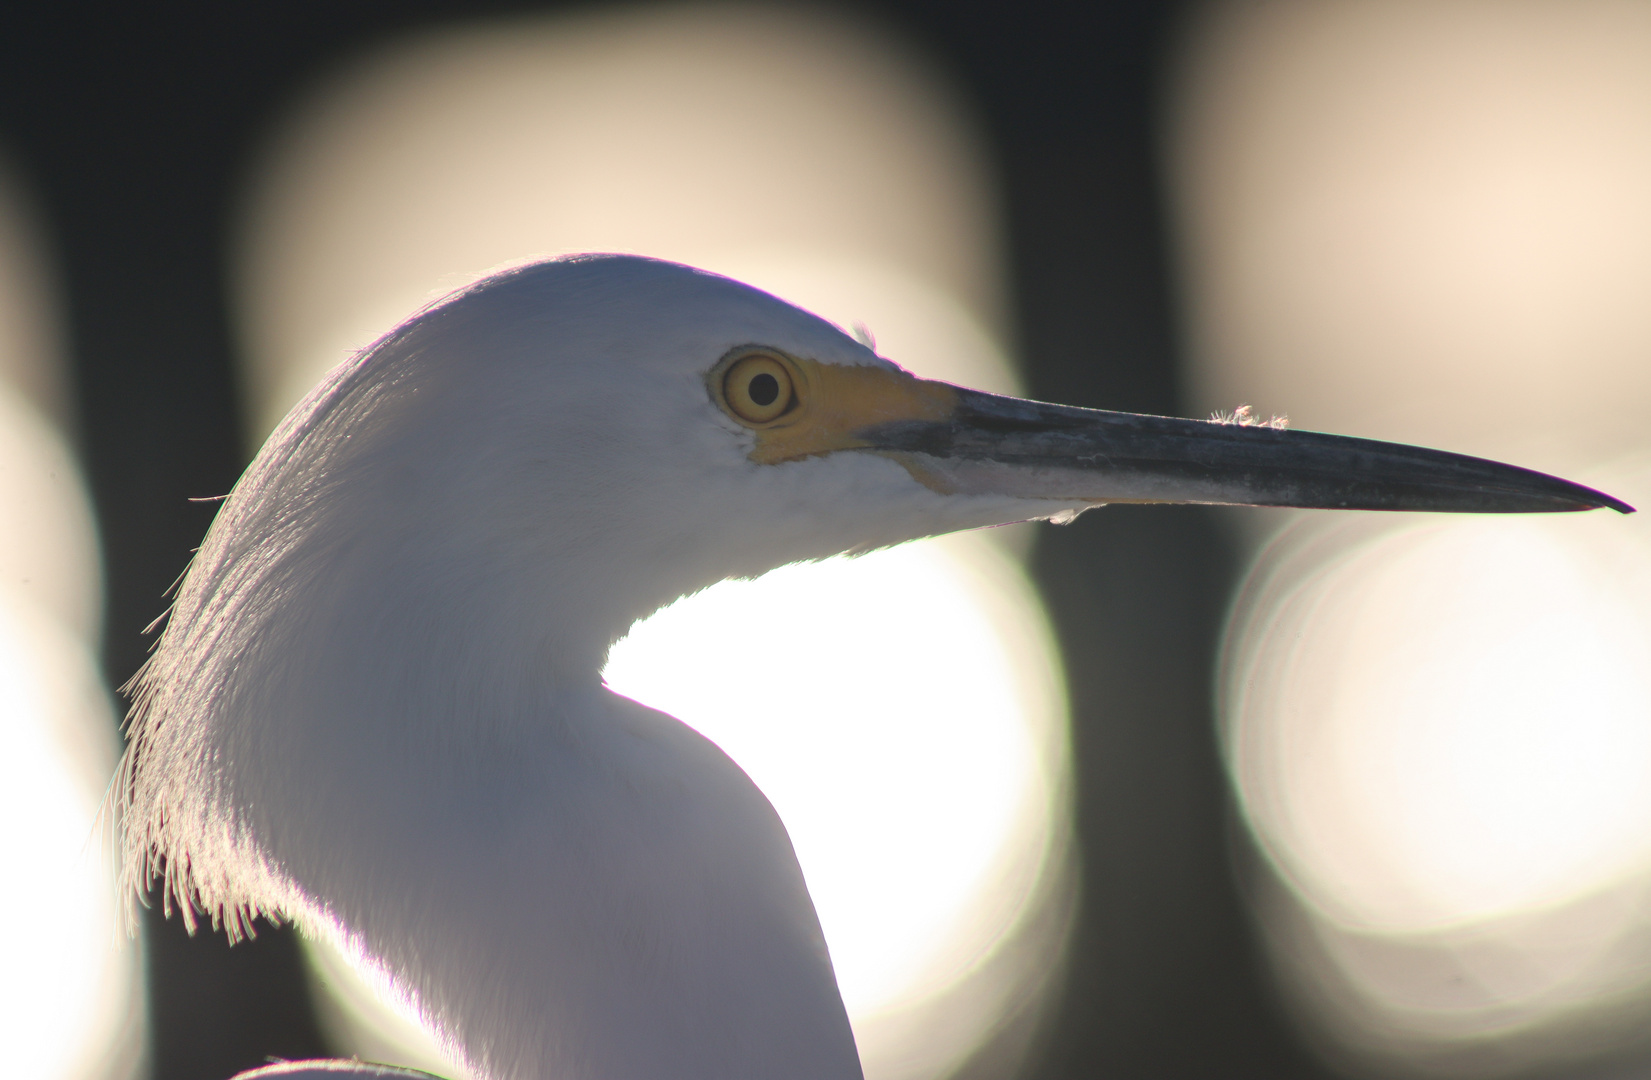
[
  {"x": 1314, "y": 469},
  {"x": 1606, "y": 501}
]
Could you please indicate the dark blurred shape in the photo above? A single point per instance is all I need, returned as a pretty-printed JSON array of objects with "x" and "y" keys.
[
  {"x": 1166, "y": 973},
  {"x": 218, "y": 1010}
]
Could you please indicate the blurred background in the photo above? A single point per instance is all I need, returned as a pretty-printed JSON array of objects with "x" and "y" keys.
[{"x": 1223, "y": 793}]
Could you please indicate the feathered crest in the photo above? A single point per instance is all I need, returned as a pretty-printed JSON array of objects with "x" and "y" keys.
[{"x": 1245, "y": 416}]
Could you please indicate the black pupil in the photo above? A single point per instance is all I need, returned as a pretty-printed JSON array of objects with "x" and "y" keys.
[{"x": 764, "y": 389}]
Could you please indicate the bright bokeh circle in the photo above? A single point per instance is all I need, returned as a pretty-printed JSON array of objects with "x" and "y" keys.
[
  {"x": 1449, "y": 720},
  {"x": 69, "y": 1004},
  {"x": 904, "y": 721}
]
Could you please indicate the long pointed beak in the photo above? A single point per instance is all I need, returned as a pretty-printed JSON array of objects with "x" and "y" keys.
[{"x": 986, "y": 444}]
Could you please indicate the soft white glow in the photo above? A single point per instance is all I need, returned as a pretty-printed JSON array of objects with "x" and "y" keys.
[
  {"x": 48, "y": 552},
  {"x": 716, "y": 135},
  {"x": 1452, "y": 720},
  {"x": 67, "y": 1002},
  {"x": 1423, "y": 221},
  {"x": 1441, "y": 733},
  {"x": 903, "y": 736},
  {"x": 809, "y": 156}
]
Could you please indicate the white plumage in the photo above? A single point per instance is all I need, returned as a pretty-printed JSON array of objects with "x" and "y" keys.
[{"x": 376, "y": 708}]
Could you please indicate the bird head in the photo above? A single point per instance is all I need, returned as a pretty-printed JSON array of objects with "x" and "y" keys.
[
  {"x": 461, "y": 519},
  {"x": 560, "y": 449}
]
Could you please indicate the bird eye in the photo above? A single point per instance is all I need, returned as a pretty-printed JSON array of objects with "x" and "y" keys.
[{"x": 758, "y": 389}]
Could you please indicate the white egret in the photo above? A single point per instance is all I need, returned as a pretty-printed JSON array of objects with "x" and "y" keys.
[{"x": 376, "y": 708}]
